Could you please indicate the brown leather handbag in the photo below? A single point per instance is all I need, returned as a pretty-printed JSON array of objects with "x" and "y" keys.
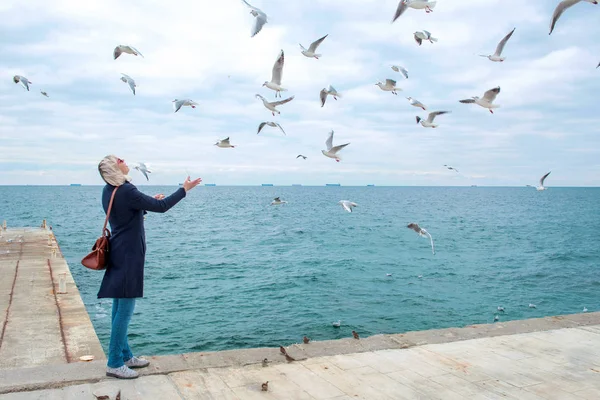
[{"x": 98, "y": 258}]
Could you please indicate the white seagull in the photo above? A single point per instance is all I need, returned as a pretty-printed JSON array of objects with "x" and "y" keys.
[
  {"x": 330, "y": 90},
  {"x": 275, "y": 83},
  {"x": 336, "y": 324},
  {"x": 428, "y": 123},
  {"x": 496, "y": 57},
  {"x": 347, "y": 204},
  {"x": 310, "y": 53},
  {"x": 120, "y": 49},
  {"x": 143, "y": 168},
  {"x": 129, "y": 80},
  {"x": 532, "y": 305},
  {"x": 260, "y": 19},
  {"x": 401, "y": 69},
  {"x": 224, "y": 144},
  {"x": 22, "y": 80},
  {"x": 277, "y": 201},
  {"x": 332, "y": 151},
  {"x": 422, "y": 232},
  {"x": 416, "y": 4},
  {"x": 177, "y": 104},
  {"x": 542, "y": 179},
  {"x": 44, "y": 93},
  {"x": 270, "y": 123},
  {"x": 562, "y": 7},
  {"x": 500, "y": 309},
  {"x": 416, "y": 103},
  {"x": 584, "y": 309},
  {"x": 450, "y": 168},
  {"x": 389, "y": 86},
  {"x": 271, "y": 105},
  {"x": 486, "y": 101},
  {"x": 425, "y": 35}
]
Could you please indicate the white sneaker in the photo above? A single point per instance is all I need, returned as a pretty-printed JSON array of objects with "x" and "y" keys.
[
  {"x": 122, "y": 372},
  {"x": 135, "y": 362}
]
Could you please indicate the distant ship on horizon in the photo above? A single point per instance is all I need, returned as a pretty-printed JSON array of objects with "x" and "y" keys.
[
  {"x": 296, "y": 184},
  {"x": 210, "y": 184},
  {"x": 370, "y": 184},
  {"x": 75, "y": 184},
  {"x": 332, "y": 184},
  {"x": 267, "y": 184}
]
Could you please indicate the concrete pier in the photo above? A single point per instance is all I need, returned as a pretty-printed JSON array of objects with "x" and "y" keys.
[
  {"x": 39, "y": 325},
  {"x": 44, "y": 332}
]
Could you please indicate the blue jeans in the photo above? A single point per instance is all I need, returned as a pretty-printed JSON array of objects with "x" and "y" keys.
[{"x": 118, "y": 349}]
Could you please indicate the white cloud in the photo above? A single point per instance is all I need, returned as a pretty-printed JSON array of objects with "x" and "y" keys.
[{"x": 203, "y": 51}]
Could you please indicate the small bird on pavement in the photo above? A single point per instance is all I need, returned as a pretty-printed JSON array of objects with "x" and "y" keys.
[
  {"x": 305, "y": 340},
  {"x": 355, "y": 335}
]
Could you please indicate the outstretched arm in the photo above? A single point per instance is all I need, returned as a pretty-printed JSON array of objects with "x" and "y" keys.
[{"x": 141, "y": 201}]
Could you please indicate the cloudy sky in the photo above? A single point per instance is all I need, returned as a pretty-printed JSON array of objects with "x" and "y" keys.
[{"x": 548, "y": 121}]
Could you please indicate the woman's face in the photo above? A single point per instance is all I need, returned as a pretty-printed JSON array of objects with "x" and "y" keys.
[{"x": 123, "y": 166}]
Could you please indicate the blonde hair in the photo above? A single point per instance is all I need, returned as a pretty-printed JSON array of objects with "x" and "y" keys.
[{"x": 111, "y": 173}]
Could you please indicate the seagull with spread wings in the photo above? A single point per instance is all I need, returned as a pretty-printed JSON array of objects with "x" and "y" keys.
[
  {"x": 22, "y": 80},
  {"x": 428, "y": 123},
  {"x": 333, "y": 150},
  {"x": 270, "y": 123},
  {"x": 542, "y": 179},
  {"x": 562, "y": 7},
  {"x": 347, "y": 204},
  {"x": 416, "y": 4},
  {"x": 129, "y": 80},
  {"x": 260, "y": 19},
  {"x": 401, "y": 69},
  {"x": 224, "y": 144},
  {"x": 487, "y": 101},
  {"x": 177, "y": 104},
  {"x": 271, "y": 105},
  {"x": 329, "y": 91},
  {"x": 276, "y": 75},
  {"x": 311, "y": 52},
  {"x": 120, "y": 49},
  {"x": 389, "y": 86},
  {"x": 422, "y": 232},
  {"x": 143, "y": 168},
  {"x": 497, "y": 56}
]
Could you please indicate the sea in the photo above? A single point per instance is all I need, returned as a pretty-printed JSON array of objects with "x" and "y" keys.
[{"x": 226, "y": 270}]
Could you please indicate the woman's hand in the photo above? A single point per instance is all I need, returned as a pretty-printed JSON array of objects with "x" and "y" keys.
[
  {"x": 159, "y": 196},
  {"x": 189, "y": 185}
]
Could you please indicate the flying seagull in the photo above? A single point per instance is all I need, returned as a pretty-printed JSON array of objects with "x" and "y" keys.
[
  {"x": 44, "y": 93},
  {"x": 224, "y": 144},
  {"x": 300, "y": 155},
  {"x": 562, "y": 7},
  {"x": 260, "y": 19},
  {"x": 272, "y": 124},
  {"x": 129, "y": 80},
  {"x": 276, "y": 201},
  {"x": 429, "y": 122},
  {"x": 348, "y": 205},
  {"x": 22, "y": 80},
  {"x": 389, "y": 86},
  {"x": 275, "y": 83},
  {"x": 422, "y": 232},
  {"x": 332, "y": 151},
  {"x": 420, "y": 36},
  {"x": 542, "y": 179},
  {"x": 177, "y": 104},
  {"x": 486, "y": 101},
  {"x": 271, "y": 105},
  {"x": 416, "y": 4},
  {"x": 310, "y": 53},
  {"x": 496, "y": 57},
  {"x": 416, "y": 103},
  {"x": 400, "y": 69},
  {"x": 143, "y": 168},
  {"x": 120, "y": 49},
  {"x": 450, "y": 168},
  {"x": 330, "y": 90}
]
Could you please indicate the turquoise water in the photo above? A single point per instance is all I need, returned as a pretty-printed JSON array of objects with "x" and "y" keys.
[{"x": 225, "y": 270}]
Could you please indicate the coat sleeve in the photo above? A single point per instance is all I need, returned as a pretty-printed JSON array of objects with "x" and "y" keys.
[{"x": 141, "y": 201}]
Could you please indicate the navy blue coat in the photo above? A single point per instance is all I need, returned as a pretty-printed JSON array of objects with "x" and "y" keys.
[{"x": 124, "y": 274}]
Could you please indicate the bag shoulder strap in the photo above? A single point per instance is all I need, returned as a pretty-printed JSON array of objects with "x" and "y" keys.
[{"x": 112, "y": 197}]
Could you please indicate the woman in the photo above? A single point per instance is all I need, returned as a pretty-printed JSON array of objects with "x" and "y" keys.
[{"x": 124, "y": 277}]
